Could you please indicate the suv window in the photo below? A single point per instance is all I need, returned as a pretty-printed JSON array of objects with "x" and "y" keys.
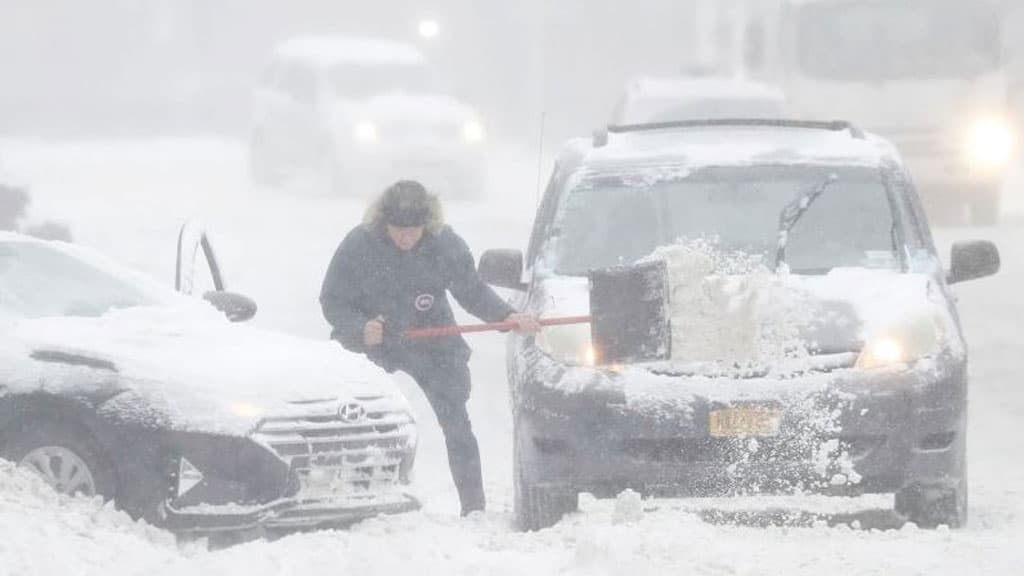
[
  {"x": 616, "y": 219},
  {"x": 358, "y": 82},
  {"x": 299, "y": 82}
]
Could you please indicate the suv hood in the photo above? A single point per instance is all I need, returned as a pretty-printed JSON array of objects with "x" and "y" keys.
[
  {"x": 407, "y": 109},
  {"x": 188, "y": 368},
  {"x": 769, "y": 321}
]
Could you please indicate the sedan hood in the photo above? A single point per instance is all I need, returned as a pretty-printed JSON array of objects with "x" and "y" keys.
[{"x": 188, "y": 368}]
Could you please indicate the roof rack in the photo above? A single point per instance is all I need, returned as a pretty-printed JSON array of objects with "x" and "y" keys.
[{"x": 601, "y": 136}]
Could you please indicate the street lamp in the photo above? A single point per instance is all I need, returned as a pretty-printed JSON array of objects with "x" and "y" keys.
[{"x": 429, "y": 28}]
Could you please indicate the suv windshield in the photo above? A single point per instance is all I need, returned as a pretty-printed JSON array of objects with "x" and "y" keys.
[
  {"x": 356, "y": 82},
  {"x": 611, "y": 220},
  {"x": 877, "y": 41},
  {"x": 38, "y": 281}
]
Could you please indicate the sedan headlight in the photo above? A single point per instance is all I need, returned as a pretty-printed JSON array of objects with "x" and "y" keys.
[
  {"x": 990, "y": 143},
  {"x": 569, "y": 344},
  {"x": 903, "y": 343},
  {"x": 365, "y": 131},
  {"x": 473, "y": 132}
]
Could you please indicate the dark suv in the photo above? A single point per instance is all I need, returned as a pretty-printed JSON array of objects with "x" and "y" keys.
[{"x": 870, "y": 399}]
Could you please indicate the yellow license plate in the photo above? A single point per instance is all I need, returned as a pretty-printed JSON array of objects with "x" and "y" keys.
[{"x": 744, "y": 421}]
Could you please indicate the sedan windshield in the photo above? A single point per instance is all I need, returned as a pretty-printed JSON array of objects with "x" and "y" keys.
[
  {"x": 37, "y": 280},
  {"x": 614, "y": 220}
]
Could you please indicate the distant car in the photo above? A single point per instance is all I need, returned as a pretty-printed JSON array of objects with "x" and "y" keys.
[
  {"x": 817, "y": 348},
  {"x": 648, "y": 100},
  {"x": 360, "y": 113},
  {"x": 112, "y": 385}
]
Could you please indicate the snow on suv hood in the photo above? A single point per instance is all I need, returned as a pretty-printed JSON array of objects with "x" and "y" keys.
[
  {"x": 735, "y": 320},
  {"x": 409, "y": 109},
  {"x": 187, "y": 367}
]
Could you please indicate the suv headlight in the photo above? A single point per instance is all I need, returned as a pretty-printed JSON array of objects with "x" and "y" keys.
[
  {"x": 365, "y": 131},
  {"x": 569, "y": 344},
  {"x": 990, "y": 143},
  {"x": 473, "y": 132},
  {"x": 903, "y": 343}
]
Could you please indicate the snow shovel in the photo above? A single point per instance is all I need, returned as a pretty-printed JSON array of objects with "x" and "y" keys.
[
  {"x": 488, "y": 327},
  {"x": 629, "y": 318},
  {"x": 630, "y": 310}
]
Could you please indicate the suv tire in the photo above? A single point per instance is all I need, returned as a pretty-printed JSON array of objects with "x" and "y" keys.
[
  {"x": 538, "y": 506},
  {"x": 930, "y": 507}
]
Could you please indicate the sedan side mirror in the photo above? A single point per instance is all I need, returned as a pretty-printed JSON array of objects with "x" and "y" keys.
[
  {"x": 972, "y": 260},
  {"x": 236, "y": 307},
  {"x": 503, "y": 268}
]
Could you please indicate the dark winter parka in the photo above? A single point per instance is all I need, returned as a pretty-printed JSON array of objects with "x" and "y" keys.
[{"x": 370, "y": 277}]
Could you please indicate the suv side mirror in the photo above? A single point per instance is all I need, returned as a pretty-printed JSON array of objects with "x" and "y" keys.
[
  {"x": 503, "y": 268},
  {"x": 236, "y": 307},
  {"x": 972, "y": 260}
]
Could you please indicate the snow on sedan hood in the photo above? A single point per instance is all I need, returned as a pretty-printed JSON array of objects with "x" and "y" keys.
[{"x": 187, "y": 367}]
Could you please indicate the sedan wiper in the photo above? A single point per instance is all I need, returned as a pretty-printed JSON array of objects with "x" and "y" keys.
[{"x": 794, "y": 211}]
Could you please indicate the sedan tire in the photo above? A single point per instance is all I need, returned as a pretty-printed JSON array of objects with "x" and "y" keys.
[{"x": 66, "y": 458}]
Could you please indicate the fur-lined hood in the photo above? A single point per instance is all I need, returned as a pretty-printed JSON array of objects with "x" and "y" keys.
[{"x": 373, "y": 217}]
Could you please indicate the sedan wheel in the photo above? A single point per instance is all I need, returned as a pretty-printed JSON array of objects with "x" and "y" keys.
[
  {"x": 62, "y": 469},
  {"x": 64, "y": 455}
]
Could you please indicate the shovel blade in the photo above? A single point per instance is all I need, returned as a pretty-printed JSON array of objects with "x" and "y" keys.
[{"x": 630, "y": 316}]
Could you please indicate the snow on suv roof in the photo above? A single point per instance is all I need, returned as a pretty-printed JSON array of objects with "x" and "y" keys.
[
  {"x": 734, "y": 145},
  {"x": 326, "y": 51}
]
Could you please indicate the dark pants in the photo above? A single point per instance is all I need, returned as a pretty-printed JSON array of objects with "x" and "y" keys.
[{"x": 445, "y": 382}]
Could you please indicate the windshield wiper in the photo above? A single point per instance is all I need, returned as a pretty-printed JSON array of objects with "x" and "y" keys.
[{"x": 794, "y": 211}]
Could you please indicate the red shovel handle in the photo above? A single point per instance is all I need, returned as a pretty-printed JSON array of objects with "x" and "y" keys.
[{"x": 449, "y": 330}]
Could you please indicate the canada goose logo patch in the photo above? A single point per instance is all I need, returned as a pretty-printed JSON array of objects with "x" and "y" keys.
[{"x": 424, "y": 302}]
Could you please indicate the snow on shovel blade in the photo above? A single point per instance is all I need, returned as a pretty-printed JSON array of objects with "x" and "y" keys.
[{"x": 630, "y": 315}]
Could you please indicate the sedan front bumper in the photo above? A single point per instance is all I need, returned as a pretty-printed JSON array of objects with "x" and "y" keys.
[{"x": 287, "y": 513}]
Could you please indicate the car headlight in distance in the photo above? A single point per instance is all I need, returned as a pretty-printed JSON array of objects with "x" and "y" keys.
[
  {"x": 246, "y": 410},
  {"x": 990, "y": 143},
  {"x": 473, "y": 132},
  {"x": 903, "y": 343},
  {"x": 569, "y": 344},
  {"x": 365, "y": 131}
]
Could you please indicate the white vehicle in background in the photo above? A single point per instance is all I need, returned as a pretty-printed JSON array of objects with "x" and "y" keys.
[
  {"x": 929, "y": 75},
  {"x": 650, "y": 99},
  {"x": 113, "y": 385},
  {"x": 357, "y": 114}
]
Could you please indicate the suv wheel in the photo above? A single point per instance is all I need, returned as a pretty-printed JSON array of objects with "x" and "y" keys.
[
  {"x": 539, "y": 506},
  {"x": 65, "y": 458},
  {"x": 929, "y": 506}
]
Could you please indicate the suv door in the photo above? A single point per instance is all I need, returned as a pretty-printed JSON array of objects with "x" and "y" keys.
[{"x": 292, "y": 101}]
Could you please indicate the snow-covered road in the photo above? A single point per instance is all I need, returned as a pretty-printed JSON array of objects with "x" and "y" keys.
[{"x": 127, "y": 199}]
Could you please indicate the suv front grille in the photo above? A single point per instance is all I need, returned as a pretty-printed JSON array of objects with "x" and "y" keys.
[{"x": 333, "y": 457}]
